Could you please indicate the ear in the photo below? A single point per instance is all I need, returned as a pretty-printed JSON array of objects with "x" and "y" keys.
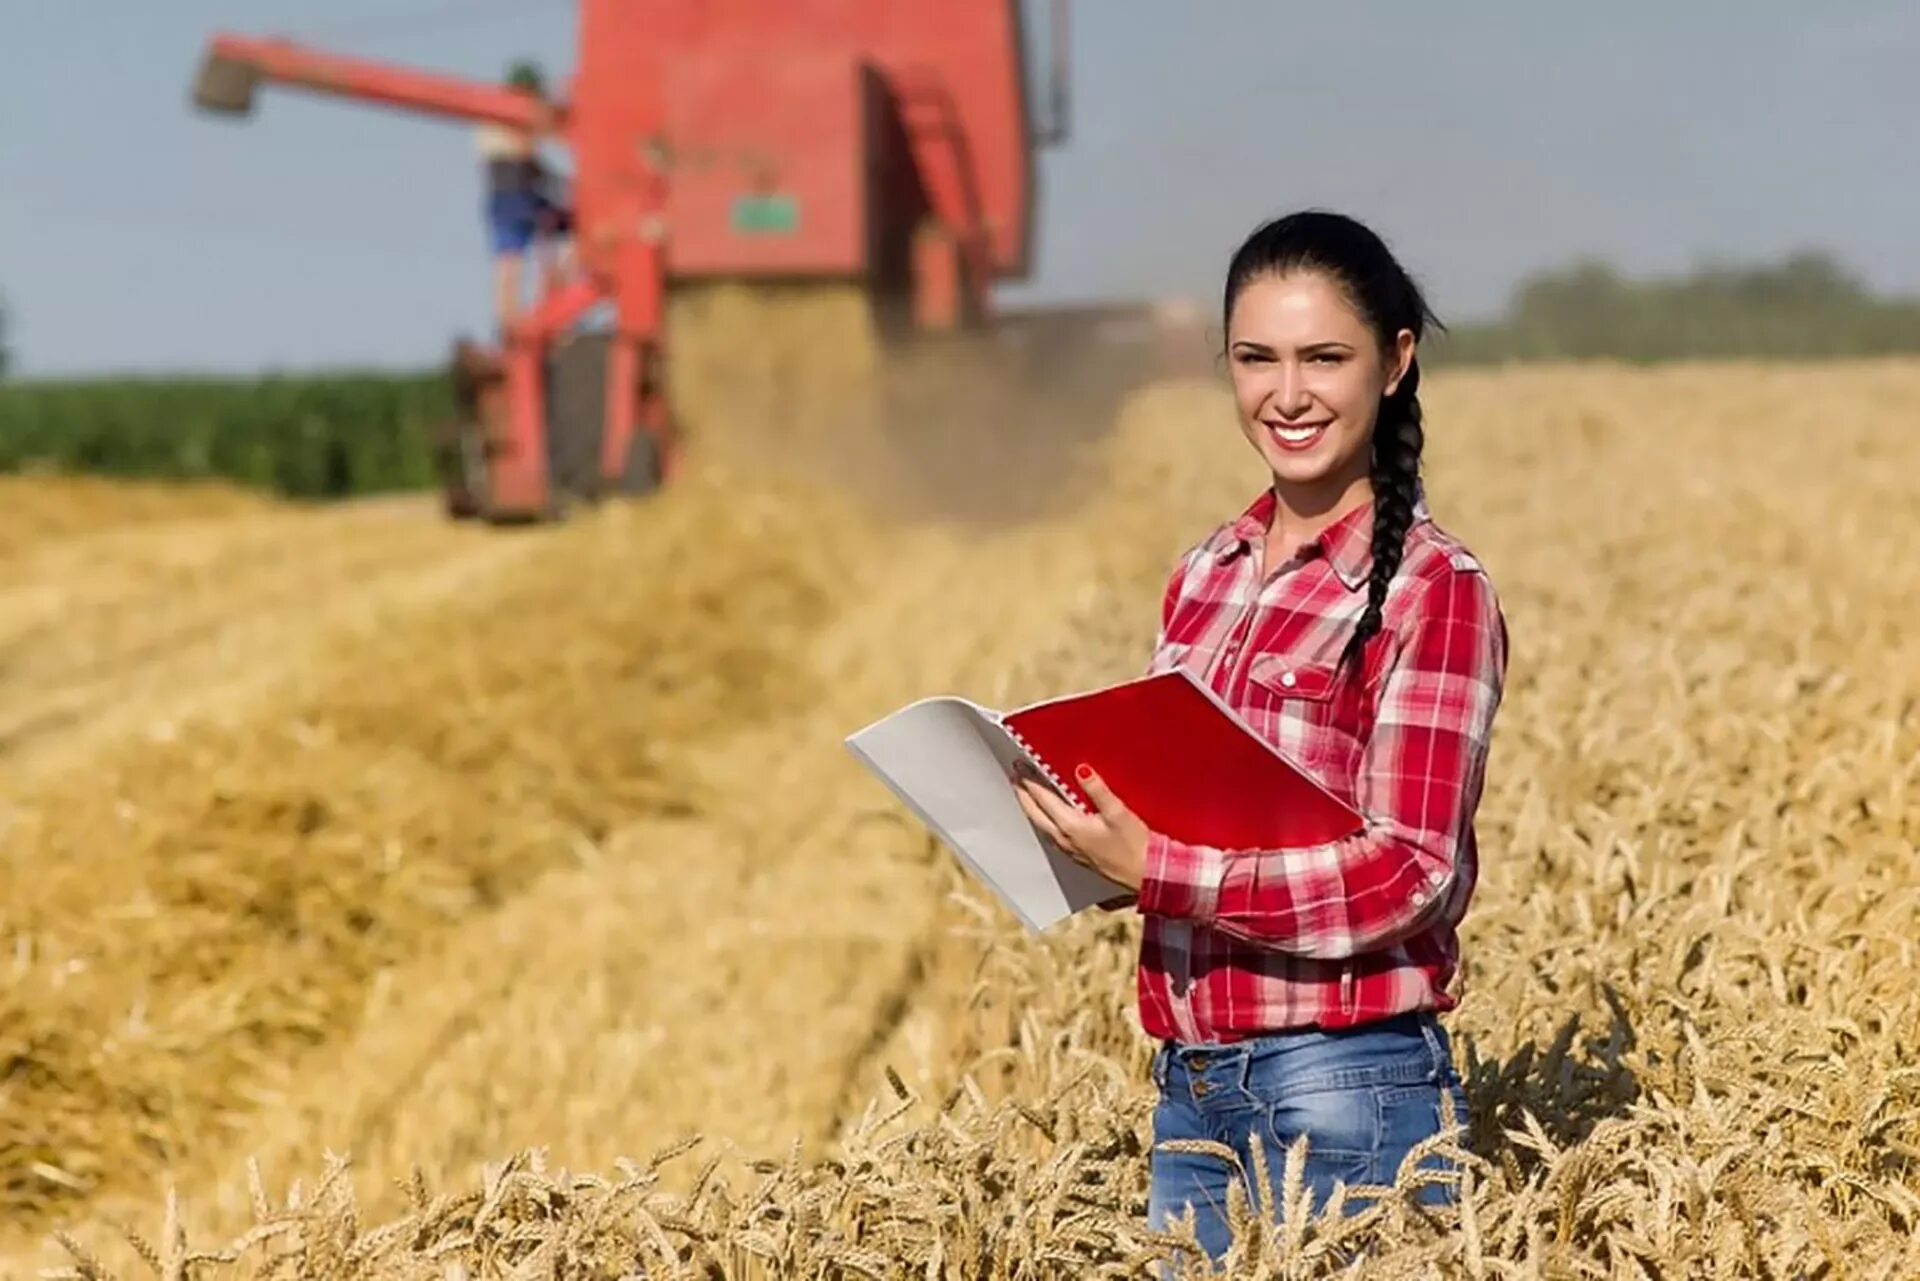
[{"x": 1402, "y": 360}]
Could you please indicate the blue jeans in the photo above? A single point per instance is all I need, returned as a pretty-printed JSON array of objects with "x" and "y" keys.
[{"x": 1363, "y": 1097}]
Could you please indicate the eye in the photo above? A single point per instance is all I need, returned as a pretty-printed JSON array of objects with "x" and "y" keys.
[
  {"x": 1326, "y": 358},
  {"x": 1247, "y": 356}
]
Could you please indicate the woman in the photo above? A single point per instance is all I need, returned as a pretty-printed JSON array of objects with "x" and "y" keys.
[{"x": 1294, "y": 992}]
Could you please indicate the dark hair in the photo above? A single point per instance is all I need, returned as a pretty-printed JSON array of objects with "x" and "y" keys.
[{"x": 1387, "y": 299}]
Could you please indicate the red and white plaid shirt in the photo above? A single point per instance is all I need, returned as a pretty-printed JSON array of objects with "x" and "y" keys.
[{"x": 1244, "y": 942}]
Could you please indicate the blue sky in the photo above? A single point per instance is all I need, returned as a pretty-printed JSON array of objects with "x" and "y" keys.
[{"x": 1486, "y": 140}]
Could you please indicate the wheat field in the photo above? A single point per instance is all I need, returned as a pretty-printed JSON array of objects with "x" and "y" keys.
[{"x": 391, "y": 899}]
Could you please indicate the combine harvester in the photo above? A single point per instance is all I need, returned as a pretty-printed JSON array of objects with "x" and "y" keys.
[{"x": 880, "y": 145}]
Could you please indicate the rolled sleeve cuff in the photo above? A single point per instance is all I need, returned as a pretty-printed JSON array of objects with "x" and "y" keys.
[{"x": 1182, "y": 881}]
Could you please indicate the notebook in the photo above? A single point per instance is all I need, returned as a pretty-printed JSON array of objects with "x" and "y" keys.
[{"x": 1166, "y": 745}]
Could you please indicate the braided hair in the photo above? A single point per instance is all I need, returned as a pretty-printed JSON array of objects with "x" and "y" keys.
[{"x": 1357, "y": 260}]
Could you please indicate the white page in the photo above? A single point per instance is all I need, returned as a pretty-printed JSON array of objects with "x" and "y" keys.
[{"x": 950, "y": 762}]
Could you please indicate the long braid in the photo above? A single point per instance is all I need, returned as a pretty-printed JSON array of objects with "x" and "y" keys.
[{"x": 1398, "y": 438}]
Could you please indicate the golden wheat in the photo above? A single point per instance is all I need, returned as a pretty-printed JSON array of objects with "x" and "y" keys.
[
  {"x": 35, "y": 510},
  {"x": 1686, "y": 1024}
]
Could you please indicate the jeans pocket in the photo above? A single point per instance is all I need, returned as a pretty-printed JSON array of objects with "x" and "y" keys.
[
  {"x": 1342, "y": 1130},
  {"x": 1409, "y": 1116}
]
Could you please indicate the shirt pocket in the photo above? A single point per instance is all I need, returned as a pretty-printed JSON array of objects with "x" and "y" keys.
[
  {"x": 1304, "y": 710},
  {"x": 1282, "y": 680}
]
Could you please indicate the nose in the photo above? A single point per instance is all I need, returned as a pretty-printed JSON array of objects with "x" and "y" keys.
[{"x": 1290, "y": 398}]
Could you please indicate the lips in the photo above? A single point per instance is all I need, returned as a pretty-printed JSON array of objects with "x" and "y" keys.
[{"x": 1299, "y": 436}]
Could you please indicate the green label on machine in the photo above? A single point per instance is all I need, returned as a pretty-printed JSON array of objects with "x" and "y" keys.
[{"x": 765, "y": 215}]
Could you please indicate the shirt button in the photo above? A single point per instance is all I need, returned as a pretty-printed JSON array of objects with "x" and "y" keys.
[
  {"x": 1200, "y": 1089},
  {"x": 1435, "y": 877},
  {"x": 1289, "y": 679},
  {"x": 1419, "y": 897}
]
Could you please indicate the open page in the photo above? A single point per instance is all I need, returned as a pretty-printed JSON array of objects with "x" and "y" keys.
[{"x": 950, "y": 762}]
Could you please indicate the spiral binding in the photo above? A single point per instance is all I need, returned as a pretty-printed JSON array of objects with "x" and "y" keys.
[{"x": 1058, "y": 784}]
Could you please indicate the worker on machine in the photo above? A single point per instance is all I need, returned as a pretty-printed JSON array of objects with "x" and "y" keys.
[{"x": 522, "y": 208}]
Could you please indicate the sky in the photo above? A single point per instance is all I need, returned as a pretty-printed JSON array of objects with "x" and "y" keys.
[{"x": 1485, "y": 139}]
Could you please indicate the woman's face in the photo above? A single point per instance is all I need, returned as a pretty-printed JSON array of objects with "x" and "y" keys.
[{"x": 1308, "y": 377}]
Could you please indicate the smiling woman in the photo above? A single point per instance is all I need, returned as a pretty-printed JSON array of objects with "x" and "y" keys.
[{"x": 1295, "y": 991}]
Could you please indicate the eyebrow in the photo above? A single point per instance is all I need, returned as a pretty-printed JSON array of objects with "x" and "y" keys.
[{"x": 1330, "y": 344}]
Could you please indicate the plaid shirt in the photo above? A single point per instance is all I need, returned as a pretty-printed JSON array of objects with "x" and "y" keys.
[{"x": 1243, "y": 942}]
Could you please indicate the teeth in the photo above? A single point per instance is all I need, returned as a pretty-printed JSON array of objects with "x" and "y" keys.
[{"x": 1296, "y": 435}]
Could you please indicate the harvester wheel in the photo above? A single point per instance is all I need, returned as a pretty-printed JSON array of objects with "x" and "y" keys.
[
  {"x": 645, "y": 466},
  {"x": 459, "y": 456},
  {"x": 576, "y": 414},
  {"x": 460, "y": 444},
  {"x": 641, "y": 475},
  {"x": 473, "y": 473},
  {"x": 576, "y": 425}
]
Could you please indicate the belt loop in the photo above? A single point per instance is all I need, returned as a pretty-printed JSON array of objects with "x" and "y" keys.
[
  {"x": 1157, "y": 1068},
  {"x": 1429, "y": 1032}
]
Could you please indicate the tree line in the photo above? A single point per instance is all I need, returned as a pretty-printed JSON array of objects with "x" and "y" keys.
[
  {"x": 1806, "y": 305},
  {"x": 330, "y": 434}
]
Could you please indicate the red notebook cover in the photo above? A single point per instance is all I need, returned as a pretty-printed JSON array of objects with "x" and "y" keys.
[{"x": 1184, "y": 763}]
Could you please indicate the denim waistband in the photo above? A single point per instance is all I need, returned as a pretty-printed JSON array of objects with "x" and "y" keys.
[{"x": 1404, "y": 1049}]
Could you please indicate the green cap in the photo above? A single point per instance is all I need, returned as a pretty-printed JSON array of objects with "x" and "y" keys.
[{"x": 526, "y": 76}]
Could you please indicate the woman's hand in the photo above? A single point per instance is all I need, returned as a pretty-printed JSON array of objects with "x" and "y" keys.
[{"x": 1112, "y": 840}]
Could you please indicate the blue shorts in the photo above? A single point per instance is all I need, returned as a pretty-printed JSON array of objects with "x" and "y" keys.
[{"x": 514, "y": 218}]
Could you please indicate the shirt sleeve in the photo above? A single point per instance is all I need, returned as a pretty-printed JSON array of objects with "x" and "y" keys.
[{"x": 1419, "y": 784}]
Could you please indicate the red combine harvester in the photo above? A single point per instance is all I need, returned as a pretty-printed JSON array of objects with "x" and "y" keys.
[{"x": 888, "y": 142}]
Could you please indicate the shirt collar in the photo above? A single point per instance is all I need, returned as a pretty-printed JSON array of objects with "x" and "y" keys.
[{"x": 1347, "y": 543}]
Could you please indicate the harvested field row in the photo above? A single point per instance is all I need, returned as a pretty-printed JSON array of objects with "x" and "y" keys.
[
  {"x": 209, "y": 922},
  {"x": 126, "y": 631},
  {"x": 686, "y": 913},
  {"x": 183, "y": 914},
  {"x": 1686, "y": 1025}
]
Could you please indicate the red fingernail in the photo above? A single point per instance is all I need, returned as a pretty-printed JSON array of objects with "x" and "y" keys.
[{"x": 1083, "y": 771}]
